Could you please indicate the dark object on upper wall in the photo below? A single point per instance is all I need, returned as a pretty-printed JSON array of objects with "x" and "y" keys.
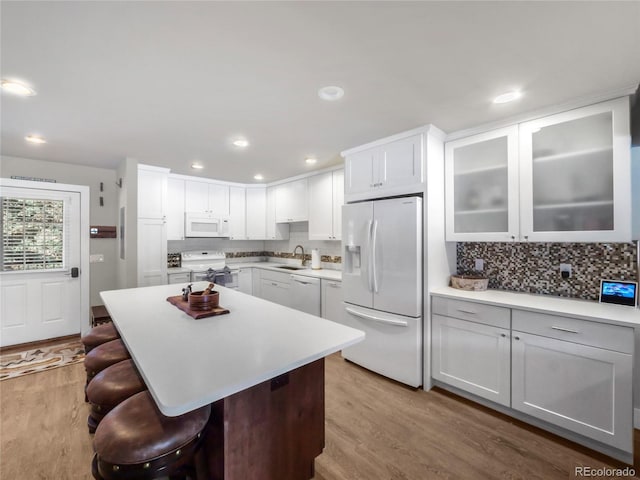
[
  {"x": 98, "y": 231},
  {"x": 635, "y": 119}
]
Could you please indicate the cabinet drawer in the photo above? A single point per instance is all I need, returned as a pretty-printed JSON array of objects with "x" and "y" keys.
[
  {"x": 276, "y": 276},
  {"x": 472, "y": 311},
  {"x": 602, "y": 335}
]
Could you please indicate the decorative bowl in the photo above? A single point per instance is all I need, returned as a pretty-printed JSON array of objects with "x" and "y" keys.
[
  {"x": 469, "y": 282},
  {"x": 198, "y": 301}
]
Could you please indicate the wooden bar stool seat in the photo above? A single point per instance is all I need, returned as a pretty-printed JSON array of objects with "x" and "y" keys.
[
  {"x": 110, "y": 387},
  {"x": 98, "y": 335},
  {"x": 135, "y": 440}
]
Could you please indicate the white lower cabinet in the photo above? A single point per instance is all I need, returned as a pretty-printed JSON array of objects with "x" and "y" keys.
[
  {"x": 274, "y": 286},
  {"x": 245, "y": 280},
  {"x": 275, "y": 291},
  {"x": 473, "y": 357},
  {"x": 570, "y": 373},
  {"x": 331, "y": 294},
  {"x": 181, "y": 277},
  {"x": 574, "y": 374}
]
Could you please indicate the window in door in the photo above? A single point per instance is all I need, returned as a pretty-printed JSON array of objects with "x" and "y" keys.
[{"x": 33, "y": 234}]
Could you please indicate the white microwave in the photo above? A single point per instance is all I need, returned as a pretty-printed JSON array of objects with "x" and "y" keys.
[{"x": 199, "y": 224}]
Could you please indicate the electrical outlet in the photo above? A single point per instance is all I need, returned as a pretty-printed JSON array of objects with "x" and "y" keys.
[
  {"x": 479, "y": 265},
  {"x": 565, "y": 270},
  {"x": 96, "y": 258}
]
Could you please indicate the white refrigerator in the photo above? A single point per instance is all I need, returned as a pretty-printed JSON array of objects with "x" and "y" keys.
[{"x": 382, "y": 285}]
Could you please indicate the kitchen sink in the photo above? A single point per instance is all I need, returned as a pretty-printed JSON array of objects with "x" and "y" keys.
[{"x": 289, "y": 267}]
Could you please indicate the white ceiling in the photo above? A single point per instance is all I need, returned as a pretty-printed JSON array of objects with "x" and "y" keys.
[{"x": 168, "y": 83}]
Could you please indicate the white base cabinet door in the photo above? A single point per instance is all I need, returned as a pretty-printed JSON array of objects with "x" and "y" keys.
[
  {"x": 584, "y": 389},
  {"x": 245, "y": 280},
  {"x": 331, "y": 293},
  {"x": 473, "y": 357},
  {"x": 152, "y": 252},
  {"x": 275, "y": 291}
]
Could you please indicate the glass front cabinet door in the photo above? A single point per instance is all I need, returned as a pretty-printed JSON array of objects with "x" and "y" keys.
[
  {"x": 575, "y": 175},
  {"x": 481, "y": 174}
]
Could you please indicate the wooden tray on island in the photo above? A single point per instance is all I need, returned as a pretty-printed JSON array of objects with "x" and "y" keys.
[{"x": 197, "y": 314}]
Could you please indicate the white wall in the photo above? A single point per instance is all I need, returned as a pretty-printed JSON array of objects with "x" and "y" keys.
[{"x": 102, "y": 275}]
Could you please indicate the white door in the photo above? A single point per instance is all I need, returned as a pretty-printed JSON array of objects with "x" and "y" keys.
[
  {"x": 400, "y": 163},
  {"x": 359, "y": 172},
  {"x": 41, "y": 291},
  {"x": 574, "y": 175},
  {"x": 152, "y": 252},
  {"x": 320, "y": 203},
  {"x": 175, "y": 209},
  {"x": 590, "y": 394},
  {"x": 357, "y": 222},
  {"x": 473, "y": 357},
  {"x": 396, "y": 251},
  {"x": 237, "y": 215},
  {"x": 256, "y": 213},
  {"x": 331, "y": 294},
  {"x": 338, "y": 201}
]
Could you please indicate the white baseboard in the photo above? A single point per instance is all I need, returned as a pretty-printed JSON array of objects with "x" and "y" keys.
[{"x": 636, "y": 418}]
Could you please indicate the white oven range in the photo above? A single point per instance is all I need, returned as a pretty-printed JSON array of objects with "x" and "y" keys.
[{"x": 199, "y": 262}]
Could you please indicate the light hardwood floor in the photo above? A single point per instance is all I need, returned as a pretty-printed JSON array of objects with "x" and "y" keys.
[{"x": 375, "y": 429}]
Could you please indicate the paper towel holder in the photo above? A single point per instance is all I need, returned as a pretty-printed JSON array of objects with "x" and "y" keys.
[{"x": 315, "y": 259}]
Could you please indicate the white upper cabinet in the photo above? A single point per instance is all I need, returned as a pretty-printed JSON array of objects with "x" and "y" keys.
[
  {"x": 385, "y": 169},
  {"x": 175, "y": 209},
  {"x": 326, "y": 197},
  {"x": 256, "y": 213},
  {"x": 560, "y": 178},
  {"x": 482, "y": 186},
  {"x": 291, "y": 202},
  {"x": 152, "y": 192},
  {"x": 237, "y": 214},
  {"x": 275, "y": 231},
  {"x": 205, "y": 197},
  {"x": 575, "y": 175}
]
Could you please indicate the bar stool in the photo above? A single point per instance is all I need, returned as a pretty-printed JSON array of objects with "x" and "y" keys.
[
  {"x": 98, "y": 335},
  {"x": 110, "y": 387},
  {"x": 103, "y": 356},
  {"x": 135, "y": 440}
]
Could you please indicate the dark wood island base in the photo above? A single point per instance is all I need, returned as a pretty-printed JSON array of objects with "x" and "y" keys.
[{"x": 272, "y": 431}]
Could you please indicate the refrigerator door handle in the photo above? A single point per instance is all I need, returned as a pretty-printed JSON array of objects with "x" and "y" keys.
[
  {"x": 387, "y": 321},
  {"x": 370, "y": 257},
  {"x": 374, "y": 236}
]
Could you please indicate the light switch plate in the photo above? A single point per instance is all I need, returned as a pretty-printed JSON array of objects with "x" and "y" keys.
[
  {"x": 96, "y": 258},
  {"x": 479, "y": 265}
]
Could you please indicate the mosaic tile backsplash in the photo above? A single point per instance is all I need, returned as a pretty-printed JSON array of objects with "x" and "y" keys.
[{"x": 535, "y": 267}]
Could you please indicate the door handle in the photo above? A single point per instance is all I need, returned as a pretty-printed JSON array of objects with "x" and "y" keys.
[
  {"x": 370, "y": 256},
  {"x": 564, "y": 329},
  {"x": 388, "y": 321},
  {"x": 73, "y": 273},
  {"x": 373, "y": 256}
]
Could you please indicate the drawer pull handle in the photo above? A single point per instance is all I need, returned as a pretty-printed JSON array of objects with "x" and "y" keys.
[
  {"x": 517, "y": 338},
  {"x": 467, "y": 311},
  {"x": 564, "y": 329}
]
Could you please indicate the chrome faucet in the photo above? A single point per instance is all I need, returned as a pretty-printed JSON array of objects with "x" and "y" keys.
[{"x": 296, "y": 249}]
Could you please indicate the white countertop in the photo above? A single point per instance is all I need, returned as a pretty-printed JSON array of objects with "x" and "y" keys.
[
  {"x": 308, "y": 272},
  {"x": 189, "y": 363},
  {"x": 584, "y": 309}
]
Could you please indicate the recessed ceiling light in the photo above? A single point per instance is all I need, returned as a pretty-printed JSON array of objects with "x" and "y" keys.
[
  {"x": 17, "y": 88},
  {"x": 241, "y": 142},
  {"x": 331, "y": 93},
  {"x": 508, "y": 97},
  {"x": 258, "y": 177},
  {"x": 310, "y": 161},
  {"x": 35, "y": 139},
  {"x": 197, "y": 166}
]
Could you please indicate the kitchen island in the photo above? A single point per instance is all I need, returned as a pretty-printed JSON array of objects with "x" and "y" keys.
[{"x": 261, "y": 367}]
